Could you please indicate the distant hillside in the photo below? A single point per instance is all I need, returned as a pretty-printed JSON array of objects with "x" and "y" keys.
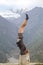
[
  {"x": 8, "y": 34},
  {"x": 33, "y": 35}
]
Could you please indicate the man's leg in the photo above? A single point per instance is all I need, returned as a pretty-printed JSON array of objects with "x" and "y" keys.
[{"x": 22, "y": 27}]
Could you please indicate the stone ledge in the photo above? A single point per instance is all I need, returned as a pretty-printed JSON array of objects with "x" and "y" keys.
[{"x": 18, "y": 64}]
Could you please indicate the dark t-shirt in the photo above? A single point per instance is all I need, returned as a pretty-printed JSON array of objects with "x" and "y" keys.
[{"x": 20, "y": 43}]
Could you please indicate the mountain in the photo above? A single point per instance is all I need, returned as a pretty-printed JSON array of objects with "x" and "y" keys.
[
  {"x": 33, "y": 35},
  {"x": 8, "y": 35},
  {"x": 9, "y": 14}
]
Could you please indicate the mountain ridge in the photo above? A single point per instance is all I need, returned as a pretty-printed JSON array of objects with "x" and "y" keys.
[{"x": 33, "y": 34}]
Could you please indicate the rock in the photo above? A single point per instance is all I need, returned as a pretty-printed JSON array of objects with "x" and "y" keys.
[{"x": 24, "y": 59}]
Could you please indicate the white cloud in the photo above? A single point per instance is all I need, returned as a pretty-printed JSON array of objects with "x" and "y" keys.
[
  {"x": 3, "y": 2},
  {"x": 22, "y": 3},
  {"x": 16, "y": 2}
]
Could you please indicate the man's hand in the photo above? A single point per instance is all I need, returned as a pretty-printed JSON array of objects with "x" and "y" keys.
[{"x": 27, "y": 17}]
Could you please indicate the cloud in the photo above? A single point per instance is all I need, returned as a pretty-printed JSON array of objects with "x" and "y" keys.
[
  {"x": 39, "y": 3},
  {"x": 16, "y": 2},
  {"x": 3, "y": 2},
  {"x": 22, "y": 3}
]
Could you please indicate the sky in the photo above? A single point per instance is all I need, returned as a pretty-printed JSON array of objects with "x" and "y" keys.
[
  {"x": 7, "y": 6},
  {"x": 18, "y": 4}
]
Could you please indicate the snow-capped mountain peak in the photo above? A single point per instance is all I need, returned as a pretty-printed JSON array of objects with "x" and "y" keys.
[
  {"x": 8, "y": 13},
  {"x": 11, "y": 13}
]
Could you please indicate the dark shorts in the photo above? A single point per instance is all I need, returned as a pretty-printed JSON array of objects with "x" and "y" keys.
[{"x": 20, "y": 43}]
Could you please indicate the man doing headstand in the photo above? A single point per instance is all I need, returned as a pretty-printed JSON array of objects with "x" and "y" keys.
[{"x": 24, "y": 54}]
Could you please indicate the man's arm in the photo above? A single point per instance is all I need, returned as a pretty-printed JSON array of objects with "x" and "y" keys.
[{"x": 21, "y": 29}]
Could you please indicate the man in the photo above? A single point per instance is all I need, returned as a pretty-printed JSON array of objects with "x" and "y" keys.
[{"x": 24, "y": 54}]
